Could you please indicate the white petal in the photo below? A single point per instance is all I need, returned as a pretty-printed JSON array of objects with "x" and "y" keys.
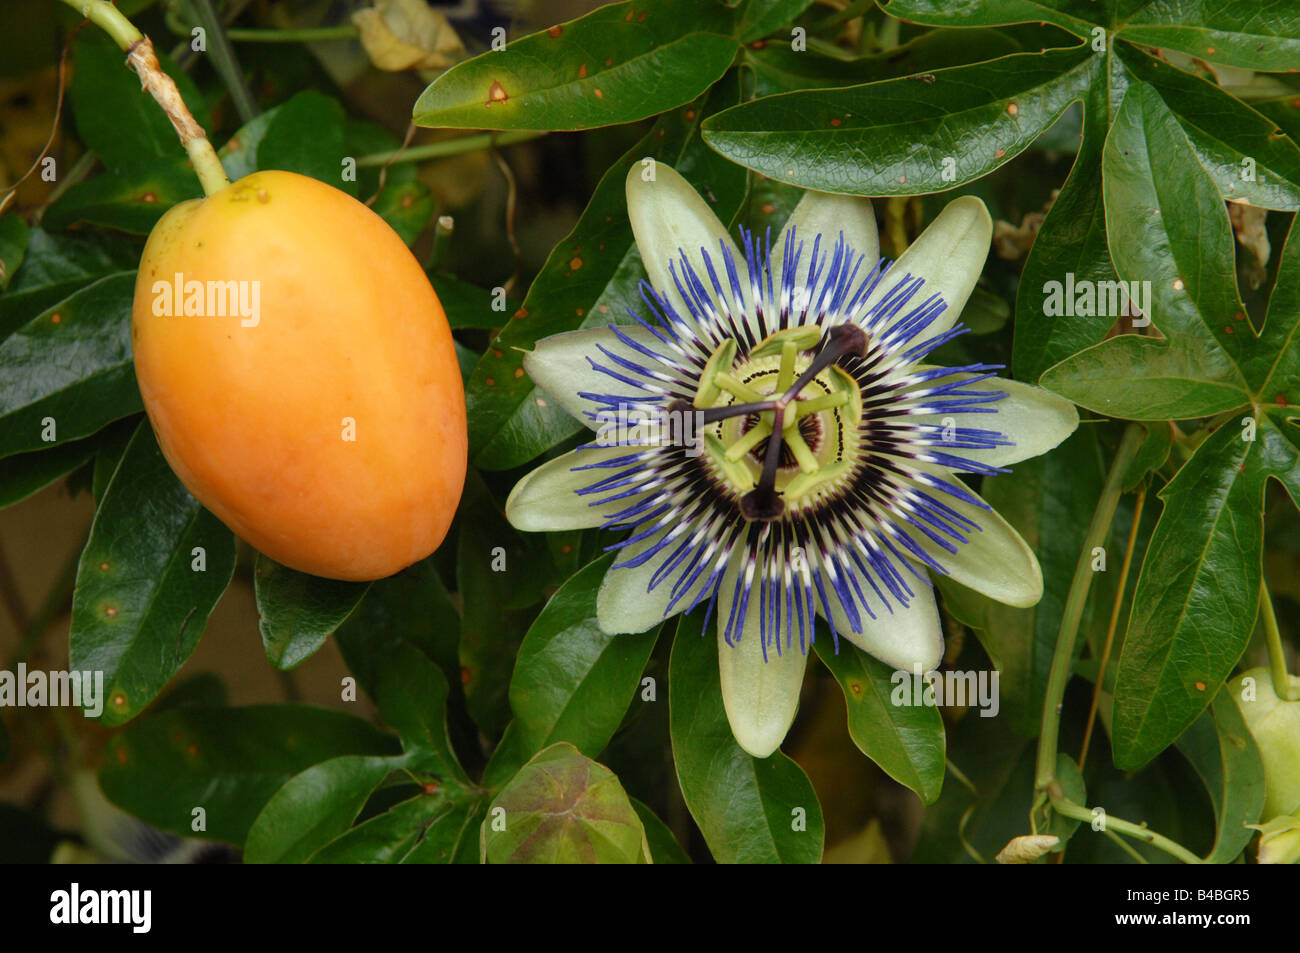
[
  {"x": 669, "y": 217},
  {"x": 906, "y": 638},
  {"x": 821, "y": 213},
  {"x": 1035, "y": 419},
  {"x": 949, "y": 255},
  {"x": 626, "y": 604},
  {"x": 997, "y": 561},
  {"x": 760, "y": 696},
  {"x": 559, "y": 365},
  {"x": 545, "y": 500}
]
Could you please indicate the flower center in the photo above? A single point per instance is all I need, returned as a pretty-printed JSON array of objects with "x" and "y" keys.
[
  {"x": 782, "y": 423},
  {"x": 811, "y": 429}
]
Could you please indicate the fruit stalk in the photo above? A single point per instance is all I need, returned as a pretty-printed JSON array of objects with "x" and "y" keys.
[{"x": 140, "y": 56}]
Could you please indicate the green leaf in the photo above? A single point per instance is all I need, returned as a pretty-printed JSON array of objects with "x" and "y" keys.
[
  {"x": 411, "y": 607},
  {"x": 153, "y": 569},
  {"x": 57, "y": 265},
  {"x": 1196, "y": 599},
  {"x": 499, "y": 574},
  {"x": 426, "y": 829},
  {"x": 750, "y": 810},
  {"x": 26, "y": 473},
  {"x": 905, "y": 739},
  {"x": 1049, "y": 500},
  {"x": 572, "y": 682},
  {"x": 1071, "y": 781},
  {"x": 617, "y": 64},
  {"x": 1070, "y": 242},
  {"x": 228, "y": 761},
  {"x": 1151, "y": 455},
  {"x": 1000, "y": 764},
  {"x": 980, "y": 116},
  {"x": 589, "y": 280},
  {"x": 1272, "y": 364},
  {"x": 1197, "y": 595},
  {"x": 204, "y": 690},
  {"x": 1240, "y": 149},
  {"x": 132, "y": 200},
  {"x": 664, "y": 848},
  {"x": 406, "y": 207},
  {"x": 306, "y": 136},
  {"x": 562, "y": 807},
  {"x": 1167, "y": 225},
  {"x": 111, "y": 444},
  {"x": 68, "y": 371},
  {"x": 1138, "y": 378},
  {"x": 1223, "y": 752},
  {"x": 467, "y": 305},
  {"x": 119, "y": 122},
  {"x": 778, "y": 68},
  {"x": 314, "y": 807},
  {"x": 412, "y": 695},
  {"x": 401, "y": 199},
  {"x": 299, "y": 611},
  {"x": 985, "y": 312},
  {"x": 761, "y": 17},
  {"x": 239, "y": 154},
  {"x": 454, "y": 838},
  {"x": 14, "y": 236},
  {"x": 1077, "y": 16},
  {"x": 1243, "y": 33},
  {"x": 507, "y": 758},
  {"x": 1282, "y": 110}
]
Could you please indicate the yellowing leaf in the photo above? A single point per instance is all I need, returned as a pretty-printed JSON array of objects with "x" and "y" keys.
[{"x": 407, "y": 34}]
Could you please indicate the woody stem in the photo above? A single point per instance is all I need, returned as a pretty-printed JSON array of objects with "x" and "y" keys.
[{"x": 140, "y": 56}]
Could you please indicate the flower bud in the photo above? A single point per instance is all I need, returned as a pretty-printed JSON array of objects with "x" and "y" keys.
[
  {"x": 1275, "y": 725},
  {"x": 1279, "y": 842},
  {"x": 1027, "y": 848}
]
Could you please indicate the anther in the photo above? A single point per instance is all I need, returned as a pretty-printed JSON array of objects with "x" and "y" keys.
[{"x": 762, "y": 504}]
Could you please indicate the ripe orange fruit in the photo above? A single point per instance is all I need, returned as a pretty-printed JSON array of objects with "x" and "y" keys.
[{"x": 300, "y": 376}]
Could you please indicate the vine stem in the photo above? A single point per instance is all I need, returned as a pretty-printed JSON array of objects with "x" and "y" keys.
[
  {"x": 1048, "y": 788},
  {"x": 1114, "y": 622},
  {"x": 449, "y": 147},
  {"x": 1075, "y": 600},
  {"x": 1063, "y": 805},
  {"x": 313, "y": 34},
  {"x": 1273, "y": 636},
  {"x": 140, "y": 56}
]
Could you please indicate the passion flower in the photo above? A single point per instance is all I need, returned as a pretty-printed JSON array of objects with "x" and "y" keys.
[{"x": 772, "y": 442}]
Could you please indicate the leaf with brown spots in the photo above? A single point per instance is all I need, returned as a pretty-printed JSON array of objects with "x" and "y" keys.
[
  {"x": 76, "y": 371},
  {"x": 230, "y": 761},
  {"x": 619, "y": 63},
  {"x": 906, "y": 741},
  {"x": 140, "y": 603}
]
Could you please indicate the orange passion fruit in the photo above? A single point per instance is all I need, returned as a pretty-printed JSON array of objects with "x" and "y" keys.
[{"x": 300, "y": 376}]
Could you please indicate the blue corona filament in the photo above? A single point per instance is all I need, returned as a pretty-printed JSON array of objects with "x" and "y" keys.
[{"x": 860, "y": 548}]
